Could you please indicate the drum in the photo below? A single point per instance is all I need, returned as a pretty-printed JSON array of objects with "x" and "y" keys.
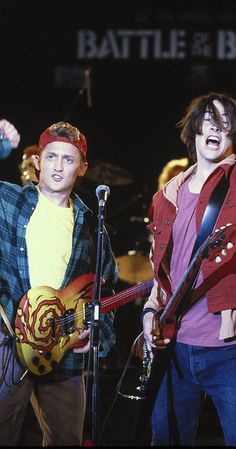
[
  {"x": 134, "y": 267},
  {"x": 133, "y": 263}
]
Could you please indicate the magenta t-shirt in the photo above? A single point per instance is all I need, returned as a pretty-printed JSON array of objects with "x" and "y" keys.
[{"x": 198, "y": 326}]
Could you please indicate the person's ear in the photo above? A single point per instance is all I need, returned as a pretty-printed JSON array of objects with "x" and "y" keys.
[
  {"x": 82, "y": 169},
  {"x": 37, "y": 162}
]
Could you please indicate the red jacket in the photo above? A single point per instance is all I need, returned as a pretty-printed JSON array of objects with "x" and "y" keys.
[{"x": 219, "y": 280}]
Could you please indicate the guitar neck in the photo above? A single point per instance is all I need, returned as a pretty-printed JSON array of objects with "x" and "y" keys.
[
  {"x": 185, "y": 283},
  {"x": 125, "y": 296}
]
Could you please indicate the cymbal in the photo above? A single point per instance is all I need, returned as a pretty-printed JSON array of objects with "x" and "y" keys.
[
  {"x": 104, "y": 172},
  {"x": 134, "y": 268}
]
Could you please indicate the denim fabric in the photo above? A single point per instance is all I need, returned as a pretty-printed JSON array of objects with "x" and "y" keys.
[{"x": 194, "y": 371}]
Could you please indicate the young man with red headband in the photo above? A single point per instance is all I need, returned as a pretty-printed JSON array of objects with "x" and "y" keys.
[{"x": 46, "y": 241}]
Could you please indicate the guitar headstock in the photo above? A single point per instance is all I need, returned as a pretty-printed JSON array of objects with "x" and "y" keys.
[{"x": 220, "y": 244}]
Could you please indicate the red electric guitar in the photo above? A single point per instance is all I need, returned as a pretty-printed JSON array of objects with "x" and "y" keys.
[{"x": 216, "y": 248}]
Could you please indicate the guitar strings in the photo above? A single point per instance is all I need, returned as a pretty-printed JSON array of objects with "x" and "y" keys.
[{"x": 108, "y": 301}]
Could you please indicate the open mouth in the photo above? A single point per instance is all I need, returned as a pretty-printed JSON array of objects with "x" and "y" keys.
[{"x": 213, "y": 141}]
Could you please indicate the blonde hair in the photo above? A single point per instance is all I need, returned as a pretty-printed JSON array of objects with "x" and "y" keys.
[
  {"x": 171, "y": 169},
  {"x": 26, "y": 167}
]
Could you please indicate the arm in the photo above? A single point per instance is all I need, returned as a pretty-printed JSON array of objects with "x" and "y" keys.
[
  {"x": 153, "y": 307},
  {"x": 151, "y": 325},
  {"x": 10, "y": 132}
]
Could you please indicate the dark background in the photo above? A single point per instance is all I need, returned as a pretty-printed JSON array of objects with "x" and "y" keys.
[{"x": 135, "y": 103}]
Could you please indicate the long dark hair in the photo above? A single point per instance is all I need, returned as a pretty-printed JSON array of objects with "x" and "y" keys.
[{"x": 191, "y": 122}]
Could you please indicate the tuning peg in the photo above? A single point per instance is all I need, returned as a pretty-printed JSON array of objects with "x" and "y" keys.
[
  {"x": 218, "y": 259},
  {"x": 229, "y": 224},
  {"x": 222, "y": 227},
  {"x": 229, "y": 245},
  {"x": 223, "y": 252}
]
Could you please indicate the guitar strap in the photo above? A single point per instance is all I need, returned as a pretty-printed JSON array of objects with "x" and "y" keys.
[
  {"x": 6, "y": 321},
  {"x": 208, "y": 221},
  {"x": 211, "y": 213}
]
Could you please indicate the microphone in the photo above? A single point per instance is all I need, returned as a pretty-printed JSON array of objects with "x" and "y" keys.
[
  {"x": 5, "y": 146},
  {"x": 102, "y": 193}
]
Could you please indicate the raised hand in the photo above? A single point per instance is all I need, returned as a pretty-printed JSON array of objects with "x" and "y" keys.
[{"x": 10, "y": 132}]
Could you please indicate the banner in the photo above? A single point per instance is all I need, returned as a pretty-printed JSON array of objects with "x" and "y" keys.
[{"x": 156, "y": 44}]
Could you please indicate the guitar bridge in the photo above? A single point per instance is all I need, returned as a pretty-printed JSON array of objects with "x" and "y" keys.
[{"x": 67, "y": 322}]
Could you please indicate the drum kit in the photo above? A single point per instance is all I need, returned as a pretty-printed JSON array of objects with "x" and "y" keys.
[
  {"x": 130, "y": 237},
  {"x": 106, "y": 173}
]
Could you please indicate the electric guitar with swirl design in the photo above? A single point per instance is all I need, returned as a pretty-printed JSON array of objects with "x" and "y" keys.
[{"x": 47, "y": 320}]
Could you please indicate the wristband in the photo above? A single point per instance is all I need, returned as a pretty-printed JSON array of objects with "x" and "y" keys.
[{"x": 147, "y": 310}]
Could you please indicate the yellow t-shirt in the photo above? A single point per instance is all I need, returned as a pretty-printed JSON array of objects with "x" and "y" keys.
[{"x": 49, "y": 242}]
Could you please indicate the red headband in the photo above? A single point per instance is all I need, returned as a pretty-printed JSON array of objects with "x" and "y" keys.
[{"x": 46, "y": 137}]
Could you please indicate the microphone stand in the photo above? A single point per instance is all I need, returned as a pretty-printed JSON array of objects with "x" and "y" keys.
[{"x": 95, "y": 323}]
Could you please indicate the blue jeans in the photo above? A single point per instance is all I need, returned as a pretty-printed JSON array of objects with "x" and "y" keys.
[{"x": 178, "y": 403}]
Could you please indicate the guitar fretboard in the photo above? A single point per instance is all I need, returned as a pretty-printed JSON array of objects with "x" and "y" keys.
[{"x": 126, "y": 296}]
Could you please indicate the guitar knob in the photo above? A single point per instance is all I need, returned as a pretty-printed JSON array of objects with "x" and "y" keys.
[
  {"x": 53, "y": 364},
  {"x": 35, "y": 360},
  {"x": 41, "y": 369},
  {"x": 48, "y": 355}
]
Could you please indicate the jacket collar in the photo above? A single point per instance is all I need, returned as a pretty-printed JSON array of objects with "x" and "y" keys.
[{"x": 171, "y": 188}]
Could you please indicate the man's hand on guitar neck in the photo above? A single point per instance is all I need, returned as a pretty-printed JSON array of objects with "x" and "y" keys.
[
  {"x": 84, "y": 335},
  {"x": 153, "y": 332}
]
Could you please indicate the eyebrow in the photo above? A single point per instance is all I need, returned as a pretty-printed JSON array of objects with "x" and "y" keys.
[{"x": 52, "y": 153}]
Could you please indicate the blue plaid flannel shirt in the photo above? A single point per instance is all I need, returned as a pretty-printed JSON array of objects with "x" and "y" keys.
[{"x": 16, "y": 207}]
